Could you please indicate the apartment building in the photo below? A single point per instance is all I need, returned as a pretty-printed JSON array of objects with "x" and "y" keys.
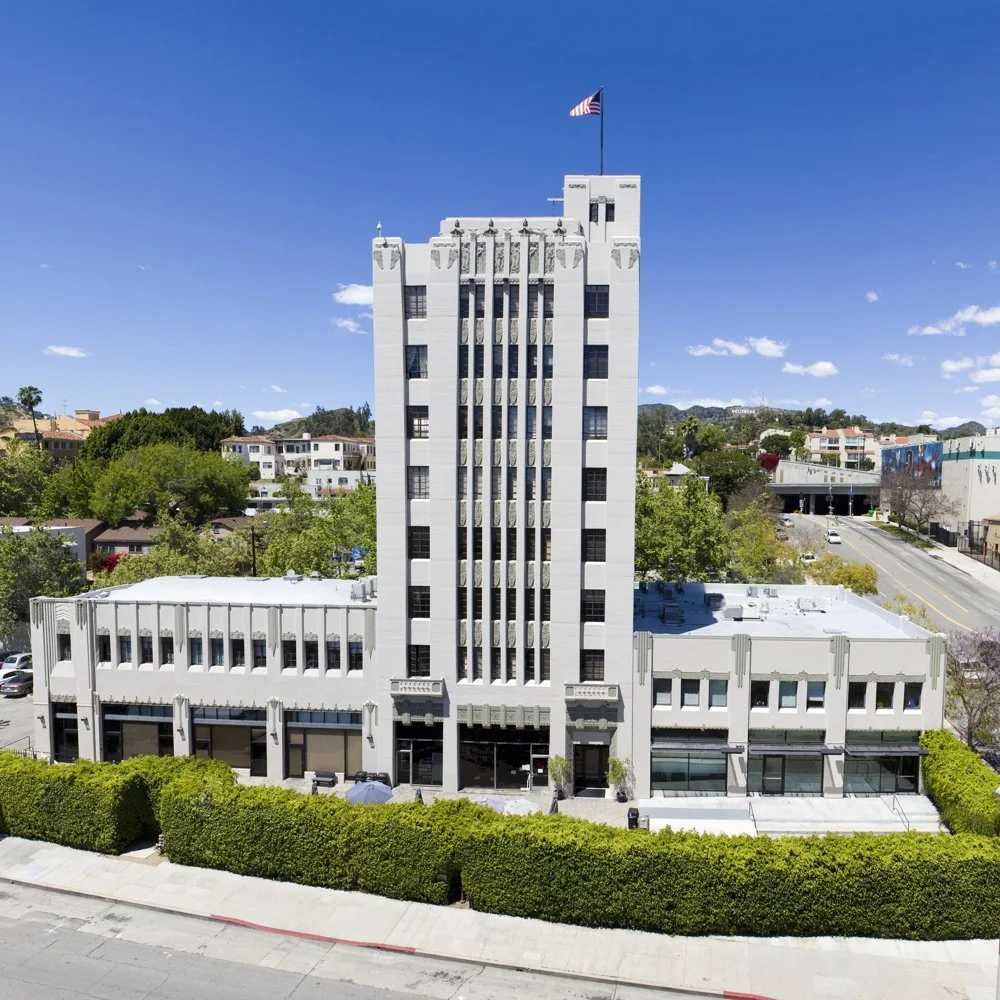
[
  {"x": 848, "y": 447},
  {"x": 970, "y": 478},
  {"x": 797, "y": 690},
  {"x": 270, "y": 675},
  {"x": 506, "y": 379}
]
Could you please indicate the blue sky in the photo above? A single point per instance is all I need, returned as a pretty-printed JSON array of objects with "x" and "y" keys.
[{"x": 186, "y": 185}]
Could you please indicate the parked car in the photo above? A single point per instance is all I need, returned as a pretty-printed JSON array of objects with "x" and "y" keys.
[
  {"x": 17, "y": 685},
  {"x": 807, "y": 557},
  {"x": 786, "y": 521},
  {"x": 833, "y": 536},
  {"x": 14, "y": 663}
]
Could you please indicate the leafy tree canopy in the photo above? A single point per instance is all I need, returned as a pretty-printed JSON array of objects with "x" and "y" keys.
[
  {"x": 728, "y": 472},
  {"x": 833, "y": 570},
  {"x": 344, "y": 420},
  {"x": 760, "y": 555},
  {"x": 24, "y": 472},
  {"x": 779, "y": 444}
]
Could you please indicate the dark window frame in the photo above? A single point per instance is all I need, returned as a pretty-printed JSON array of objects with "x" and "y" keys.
[
  {"x": 596, "y": 301},
  {"x": 415, "y": 301}
]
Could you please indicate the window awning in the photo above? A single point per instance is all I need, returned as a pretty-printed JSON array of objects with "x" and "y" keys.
[
  {"x": 691, "y": 746},
  {"x": 884, "y": 750},
  {"x": 795, "y": 749}
]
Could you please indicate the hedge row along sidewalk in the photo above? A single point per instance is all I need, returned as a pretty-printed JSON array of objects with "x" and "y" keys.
[
  {"x": 961, "y": 785},
  {"x": 913, "y": 885}
]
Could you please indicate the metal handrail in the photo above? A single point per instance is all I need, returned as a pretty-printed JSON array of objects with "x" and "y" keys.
[
  {"x": 753, "y": 819},
  {"x": 897, "y": 806},
  {"x": 20, "y": 751}
]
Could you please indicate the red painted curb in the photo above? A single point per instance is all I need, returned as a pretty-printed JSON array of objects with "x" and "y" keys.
[
  {"x": 729, "y": 995},
  {"x": 311, "y": 937}
]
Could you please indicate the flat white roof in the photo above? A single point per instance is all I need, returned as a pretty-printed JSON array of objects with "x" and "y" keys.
[
  {"x": 259, "y": 590},
  {"x": 766, "y": 610}
]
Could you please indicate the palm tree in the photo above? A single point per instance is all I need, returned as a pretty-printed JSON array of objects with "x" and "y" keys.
[
  {"x": 689, "y": 428},
  {"x": 29, "y": 397}
]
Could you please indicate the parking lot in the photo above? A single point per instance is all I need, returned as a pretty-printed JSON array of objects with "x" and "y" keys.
[{"x": 17, "y": 717}]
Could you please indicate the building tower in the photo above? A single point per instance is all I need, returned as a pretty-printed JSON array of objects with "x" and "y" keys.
[{"x": 506, "y": 360}]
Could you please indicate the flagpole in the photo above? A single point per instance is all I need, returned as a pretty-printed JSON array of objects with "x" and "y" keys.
[{"x": 602, "y": 131}]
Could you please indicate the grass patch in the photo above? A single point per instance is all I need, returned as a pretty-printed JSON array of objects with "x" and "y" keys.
[{"x": 905, "y": 534}]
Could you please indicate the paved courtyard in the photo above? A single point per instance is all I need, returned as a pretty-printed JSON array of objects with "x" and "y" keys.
[{"x": 17, "y": 720}]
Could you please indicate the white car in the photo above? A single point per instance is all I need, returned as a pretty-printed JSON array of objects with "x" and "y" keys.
[
  {"x": 807, "y": 557},
  {"x": 787, "y": 522},
  {"x": 833, "y": 537},
  {"x": 14, "y": 663}
]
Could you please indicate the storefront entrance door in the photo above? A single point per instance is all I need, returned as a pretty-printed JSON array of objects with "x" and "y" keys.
[
  {"x": 590, "y": 767},
  {"x": 773, "y": 775}
]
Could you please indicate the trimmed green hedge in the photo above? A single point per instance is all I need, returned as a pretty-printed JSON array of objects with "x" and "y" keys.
[
  {"x": 960, "y": 784},
  {"x": 97, "y": 807}
]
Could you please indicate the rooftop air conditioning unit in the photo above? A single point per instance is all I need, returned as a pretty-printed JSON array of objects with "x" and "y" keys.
[
  {"x": 770, "y": 591},
  {"x": 752, "y": 590},
  {"x": 751, "y": 610},
  {"x": 715, "y": 601},
  {"x": 811, "y": 604},
  {"x": 670, "y": 612}
]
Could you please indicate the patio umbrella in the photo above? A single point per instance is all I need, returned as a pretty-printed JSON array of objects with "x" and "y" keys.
[
  {"x": 369, "y": 793},
  {"x": 520, "y": 807},
  {"x": 493, "y": 802}
]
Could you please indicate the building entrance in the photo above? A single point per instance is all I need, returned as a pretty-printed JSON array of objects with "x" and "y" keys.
[
  {"x": 498, "y": 757},
  {"x": 590, "y": 768}
]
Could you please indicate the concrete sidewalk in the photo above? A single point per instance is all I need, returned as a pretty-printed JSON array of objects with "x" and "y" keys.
[{"x": 779, "y": 968}]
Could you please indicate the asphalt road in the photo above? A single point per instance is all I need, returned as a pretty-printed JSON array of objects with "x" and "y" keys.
[
  {"x": 55, "y": 946},
  {"x": 17, "y": 720},
  {"x": 954, "y": 601}
]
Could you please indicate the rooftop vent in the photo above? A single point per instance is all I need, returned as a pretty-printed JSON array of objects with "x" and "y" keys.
[
  {"x": 292, "y": 576},
  {"x": 752, "y": 590},
  {"x": 671, "y": 612},
  {"x": 750, "y": 610},
  {"x": 811, "y": 604},
  {"x": 770, "y": 591},
  {"x": 715, "y": 601}
]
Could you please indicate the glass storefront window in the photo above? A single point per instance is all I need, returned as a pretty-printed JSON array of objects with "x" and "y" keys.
[
  {"x": 688, "y": 772},
  {"x": 239, "y": 746},
  {"x": 493, "y": 757},
  {"x": 881, "y": 775}
]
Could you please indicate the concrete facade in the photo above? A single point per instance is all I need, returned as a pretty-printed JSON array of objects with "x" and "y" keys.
[
  {"x": 970, "y": 477},
  {"x": 486, "y": 421}
]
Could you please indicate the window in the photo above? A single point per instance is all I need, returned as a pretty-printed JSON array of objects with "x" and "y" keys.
[
  {"x": 480, "y": 301},
  {"x": 546, "y": 423},
  {"x": 533, "y": 292},
  {"x": 104, "y": 649},
  {"x": 418, "y": 482},
  {"x": 463, "y": 482},
  {"x": 495, "y": 603},
  {"x": 760, "y": 693},
  {"x": 332, "y": 654},
  {"x": 418, "y": 661},
  {"x": 591, "y": 665},
  {"x": 496, "y": 423},
  {"x": 477, "y": 663},
  {"x": 495, "y": 539},
  {"x": 690, "y": 693},
  {"x": 511, "y": 543},
  {"x": 497, "y": 301},
  {"x": 418, "y": 424},
  {"x": 856, "y": 691},
  {"x": 497, "y": 369},
  {"x": 594, "y": 545},
  {"x": 477, "y": 544},
  {"x": 595, "y": 361},
  {"x": 195, "y": 654},
  {"x": 546, "y": 484},
  {"x": 531, "y": 431},
  {"x": 355, "y": 655},
  {"x": 592, "y": 606},
  {"x": 529, "y": 604},
  {"x": 145, "y": 649},
  {"x": 546, "y": 544},
  {"x": 289, "y": 654},
  {"x": 512, "y": 482},
  {"x": 479, "y": 361},
  {"x": 463, "y": 360},
  {"x": 545, "y": 668},
  {"x": 512, "y": 360},
  {"x": 718, "y": 692},
  {"x": 595, "y": 484},
  {"x": 595, "y": 302},
  {"x": 461, "y": 601},
  {"x": 911, "y": 695},
  {"x": 419, "y": 541},
  {"x": 462, "y": 663},
  {"x": 595, "y": 423},
  {"x": 529, "y": 544},
  {"x": 311, "y": 650},
  {"x": 511, "y": 664},
  {"x": 609, "y": 211},
  {"x": 477, "y": 483},
  {"x": 593, "y": 211},
  {"x": 477, "y": 422},
  {"x": 218, "y": 651},
  {"x": 419, "y": 602},
  {"x": 548, "y": 301},
  {"x": 884, "y": 691},
  {"x": 495, "y": 662},
  {"x": 512, "y": 422},
  {"x": 547, "y": 361},
  {"x": 662, "y": 692},
  {"x": 415, "y": 301},
  {"x": 416, "y": 361},
  {"x": 529, "y": 665},
  {"x": 260, "y": 653},
  {"x": 166, "y": 649},
  {"x": 511, "y": 603},
  {"x": 546, "y": 602},
  {"x": 463, "y": 423},
  {"x": 815, "y": 694},
  {"x": 514, "y": 299},
  {"x": 787, "y": 694},
  {"x": 464, "y": 294},
  {"x": 463, "y": 543},
  {"x": 64, "y": 647}
]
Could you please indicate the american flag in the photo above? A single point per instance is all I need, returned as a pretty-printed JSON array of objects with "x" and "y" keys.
[{"x": 590, "y": 106}]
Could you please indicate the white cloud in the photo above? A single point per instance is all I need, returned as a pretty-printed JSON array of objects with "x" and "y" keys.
[
  {"x": 867, "y": 391},
  {"x": 151, "y": 402},
  {"x": 941, "y": 423},
  {"x": 353, "y": 295},
  {"x": 366, "y": 315},
  {"x": 955, "y": 325},
  {"x": 968, "y": 388},
  {"x": 787, "y": 402},
  {"x": 217, "y": 402},
  {"x": 985, "y": 375},
  {"x": 278, "y": 388},
  {"x": 819, "y": 401},
  {"x": 44, "y": 267},
  {"x": 818, "y": 369},
  {"x": 764, "y": 346},
  {"x": 906, "y": 360},
  {"x": 962, "y": 266},
  {"x": 991, "y": 400},
  {"x": 992, "y": 265},
  {"x": 276, "y": 415},
  {"x": 991, "y": 413},
  {"x": 951, "y": 366},
  {"x": 683, "y": 404},
  {"x": 142, "y": 267},
  {"x": 307, "y": 406},
  {"x": 350, "y": 325},
  {"x": 768, "y": 348},
  {"x": 871, "y": 296},
  {"x": 656, "y": 390},
  {"x": 67, "y": 352}
]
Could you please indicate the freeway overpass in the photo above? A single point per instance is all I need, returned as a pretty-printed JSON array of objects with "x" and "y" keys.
[{"x": 824, "y": 489}]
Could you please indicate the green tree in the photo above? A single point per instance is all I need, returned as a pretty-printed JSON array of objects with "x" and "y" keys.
[
  {"x": 35, "y": 563},
  {"x": 680, "y": 531},
  {"x": 759, "y": 554},
  {"x": 710, "y": 437},
  {"x": 354, "y": 519},
  {"x": 24, "y": 472},
  {"x": 900, "y": 604},
  {"x": 777, "y": 444},
  {"x": 68, "y": 490},
  {"x": 833, "y": 570},
  {"x": 729, "y": 472},
  {"x": 162, "y": 478},
  {"x": 972, "y": 692},
  {"x": 30, "y": 397}
]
